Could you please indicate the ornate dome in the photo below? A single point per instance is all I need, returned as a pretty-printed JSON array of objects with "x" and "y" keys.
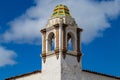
[{"x": 60, "y": 11}]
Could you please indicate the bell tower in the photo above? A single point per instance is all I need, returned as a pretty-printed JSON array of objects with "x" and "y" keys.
[{"x": 61, "y": 50}]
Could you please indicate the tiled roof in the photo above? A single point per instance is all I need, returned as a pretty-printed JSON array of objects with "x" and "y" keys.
[
  {"x": 101, "y": 74},
  {"x": 60, "y": 11},
  {"x": 37, "y": 71}
]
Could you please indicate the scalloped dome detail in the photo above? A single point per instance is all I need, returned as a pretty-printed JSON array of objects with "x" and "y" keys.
[{"x": 60, "y": 11}]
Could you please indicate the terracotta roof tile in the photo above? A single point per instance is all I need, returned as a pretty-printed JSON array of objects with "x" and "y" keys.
[
  {"x": 101, "y": 74},
  {"x": 37, "y": 71}
]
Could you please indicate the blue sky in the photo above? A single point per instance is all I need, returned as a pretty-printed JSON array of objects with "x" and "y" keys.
[{"x": 20, "y": 39}]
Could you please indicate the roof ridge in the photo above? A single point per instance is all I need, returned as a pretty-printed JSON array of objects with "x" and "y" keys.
[
  {"x": 85, "y": 70},
  {"x": 103, "y": 74},
  {"x": 29, "y": 73}
]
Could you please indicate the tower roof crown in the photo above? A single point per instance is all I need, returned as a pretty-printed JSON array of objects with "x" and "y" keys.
[{"x": 60, "y": 11}]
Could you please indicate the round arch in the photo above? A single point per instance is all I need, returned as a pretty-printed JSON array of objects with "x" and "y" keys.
[
  {"x": 70, "y": 41},
  {"x": 51, "y": 42}
]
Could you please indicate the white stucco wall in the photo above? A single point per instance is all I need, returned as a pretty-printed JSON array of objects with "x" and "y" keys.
[
  {"x": 51, "y": 69},
  {"x": 61, "y": 69},
  {"x": 71, "y": 69}
]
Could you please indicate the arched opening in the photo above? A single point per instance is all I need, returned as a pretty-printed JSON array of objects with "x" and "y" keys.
[
  {"x": 69, "y": 42},
  {"x": 51, "y": 42}
]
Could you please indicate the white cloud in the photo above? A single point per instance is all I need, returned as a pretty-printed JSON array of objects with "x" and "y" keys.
[
  {"x": 6, "y": 57},
  {"x": 90, "y": 15}
]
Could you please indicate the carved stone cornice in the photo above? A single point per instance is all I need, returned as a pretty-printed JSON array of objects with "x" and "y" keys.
[
  {"x": 64, "y": 51},
  {"x": 79, "y": 29},
  {"x": 79, "y": 54},
  {"x": 43, "y": 57},
  {"x": 43, "y": 30},
  {"x": 57, "y": 53},
  {"x": 56, "y": 26},
  {"x": 64, "y": 25}
]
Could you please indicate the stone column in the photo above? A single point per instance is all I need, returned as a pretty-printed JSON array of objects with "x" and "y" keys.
[
  {"x": 64, "y": 47},
  {"x": 57, "y": 40},
  {"x": 78, "y": 44},
  {"x": 43, "y": 31},
  {"x": 60, "y": 35}
]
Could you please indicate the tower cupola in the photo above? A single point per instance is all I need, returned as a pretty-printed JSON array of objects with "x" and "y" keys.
[
  {"x": 61, "y": 50},
  {"x": 60, "y": 34}
]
